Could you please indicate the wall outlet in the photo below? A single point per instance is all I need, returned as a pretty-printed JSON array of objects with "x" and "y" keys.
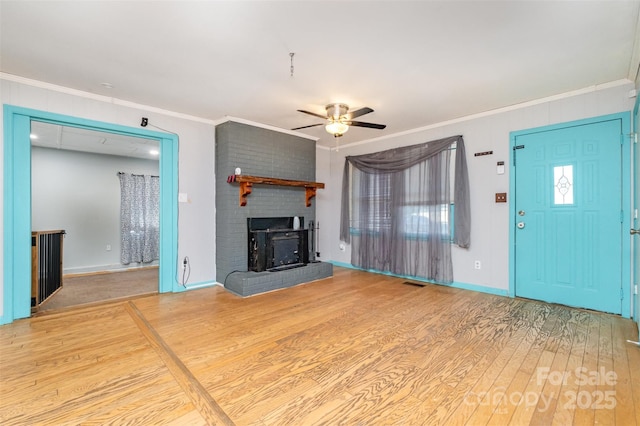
[
  {"x": 108, "y": 247},
  {"x": 501, "y": 197},
  {"x": 477, "y": 264}
]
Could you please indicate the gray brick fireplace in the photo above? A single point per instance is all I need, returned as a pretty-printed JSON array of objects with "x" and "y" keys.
[{"x": 265, "y": 153}]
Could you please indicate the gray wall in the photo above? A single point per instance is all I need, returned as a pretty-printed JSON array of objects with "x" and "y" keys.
[
  {"x": 265, "y": 153},
  {"x": 80, "y": 193}
]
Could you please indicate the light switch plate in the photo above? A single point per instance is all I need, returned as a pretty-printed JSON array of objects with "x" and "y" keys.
[
  {"x": 501, "y": 197},
  {"x": 182, "y": 197}
]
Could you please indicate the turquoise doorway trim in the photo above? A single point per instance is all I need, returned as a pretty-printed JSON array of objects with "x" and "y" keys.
[
  {"x": 17, "y": 203},
  {"x": 636, "y": 206},
  {"x": 625, "y": 213}
]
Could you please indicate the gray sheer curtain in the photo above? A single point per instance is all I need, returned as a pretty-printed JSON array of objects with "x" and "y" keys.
[
  {"x": 399, "y": 216},
  {"x": 139, "y": 218}
]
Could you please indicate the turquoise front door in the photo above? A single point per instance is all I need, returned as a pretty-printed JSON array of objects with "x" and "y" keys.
[{"x": 569, "y": 215}]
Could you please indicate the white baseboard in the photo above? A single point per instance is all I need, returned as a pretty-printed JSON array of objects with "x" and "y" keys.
[{"x": 99, "y": 269}]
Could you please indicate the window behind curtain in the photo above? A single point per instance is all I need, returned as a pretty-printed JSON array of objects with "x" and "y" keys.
[
  {"x": 397, "y": 215},
  {"x": 401, "y": 220},
  {"x": 416, "y": 214},
  {"x": 372, "y": 206}
]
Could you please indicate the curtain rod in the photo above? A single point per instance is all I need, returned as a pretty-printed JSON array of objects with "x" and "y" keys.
[{"x": 133, "y": 174}]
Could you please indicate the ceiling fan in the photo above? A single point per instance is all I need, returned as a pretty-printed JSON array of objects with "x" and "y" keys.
[{"x": 338, "y": 119}]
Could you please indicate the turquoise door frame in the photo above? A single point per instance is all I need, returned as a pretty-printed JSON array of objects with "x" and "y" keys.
[
  {"x": 625, "y": 192},
  {"x": 17, "y": 203},
  {"x": 636, "y": 206}
]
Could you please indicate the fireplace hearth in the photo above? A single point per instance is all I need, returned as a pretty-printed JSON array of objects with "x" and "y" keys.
[{"x": 277, "y": 243}]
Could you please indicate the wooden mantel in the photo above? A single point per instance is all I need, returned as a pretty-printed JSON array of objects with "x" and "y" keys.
[{"x": 246, "y": 184}]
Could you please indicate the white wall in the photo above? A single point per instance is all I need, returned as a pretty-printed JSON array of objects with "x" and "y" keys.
[
  {"x": 196, "y": 223},
  {"x": 485, "y": 132},
  {"x": 80, "y": 193}
]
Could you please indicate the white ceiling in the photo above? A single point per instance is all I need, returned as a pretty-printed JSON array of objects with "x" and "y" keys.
[
  {"x": 415, "y": 63},
  {"x": 47, "y": 135}
]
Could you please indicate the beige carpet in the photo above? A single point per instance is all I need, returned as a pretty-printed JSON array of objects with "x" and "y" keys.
[{"x": 81, "y": 290}]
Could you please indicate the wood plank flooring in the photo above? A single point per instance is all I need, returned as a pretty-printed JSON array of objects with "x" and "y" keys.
[
  {"x": 83, "y": 289},
  {"x": 357, "y": 349}
]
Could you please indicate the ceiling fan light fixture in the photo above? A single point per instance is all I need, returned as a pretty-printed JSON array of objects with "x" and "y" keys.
[
  {"x": 339, "y": 119},
  {"x": 337, "y": 128}
]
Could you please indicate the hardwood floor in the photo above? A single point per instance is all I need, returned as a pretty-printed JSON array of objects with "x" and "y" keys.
[
  {"x": 101, "y": 287},
  {"x": 357, "y": 348}
]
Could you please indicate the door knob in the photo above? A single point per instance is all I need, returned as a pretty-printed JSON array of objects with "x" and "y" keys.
[
  {"x": 520, "y": 225},
  {"x": 635, "y": 231}
]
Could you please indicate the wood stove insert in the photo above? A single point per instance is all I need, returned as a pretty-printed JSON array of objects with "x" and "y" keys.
[{"x": 274, "y": 244}]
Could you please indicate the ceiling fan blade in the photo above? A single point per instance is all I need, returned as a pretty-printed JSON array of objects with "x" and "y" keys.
[
  {"x": 358, "y": 113},
  {"x": 311, "y": 125},
  {"x": 363, "y": 124},
  {"x": 312, "y": 113}
]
